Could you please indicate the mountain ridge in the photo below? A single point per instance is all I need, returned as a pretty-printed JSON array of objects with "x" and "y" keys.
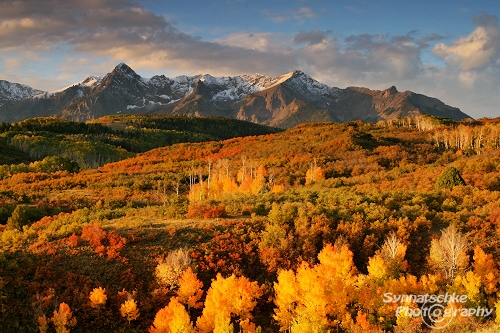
[{"x": 284, "y": 101}]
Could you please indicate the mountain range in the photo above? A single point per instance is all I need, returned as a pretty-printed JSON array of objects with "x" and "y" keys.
[{"x": 284, "y": 101}]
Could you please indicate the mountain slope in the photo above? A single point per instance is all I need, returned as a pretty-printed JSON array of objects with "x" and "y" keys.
[
  {"x": 388, "y": 104},
  {"x": 15, "y": 91},
  {"x": 112, "y": 138},
  {"x": 284, "y": 101}
]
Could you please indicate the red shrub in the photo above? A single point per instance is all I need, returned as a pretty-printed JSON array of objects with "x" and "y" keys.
[
  {"x": 205, "y": 210},
  {"x": 93, "y": 234},
  {"x": 73, "y": 240}
]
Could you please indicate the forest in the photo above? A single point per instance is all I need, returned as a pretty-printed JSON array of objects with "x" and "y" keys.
[
  {"x": 111, "y": 138},
  {"x": 159, "y": 224}
]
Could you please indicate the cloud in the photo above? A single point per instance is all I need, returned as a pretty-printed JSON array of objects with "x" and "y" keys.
[
  {"x": 262, "y": 42},
  {"x": 311, "y": 37},
  {"x": 304, "y": 12},
  {"x": 122, "y": 31},
  {"x": 300, "y": 15},
  {"x": 398, "y": 57},
  {"x": 423, "y": 41},
  {"x": 479, "y": 50},
  {"x": 112, "y": 31}
]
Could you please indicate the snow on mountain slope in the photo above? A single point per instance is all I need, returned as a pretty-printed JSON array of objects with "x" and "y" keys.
[
  {"x": 284, "y": 101},
  {"x": 88, "y": 82},
  {"x": 15, "y": 91},
  {"x": 305, "y": 85}
]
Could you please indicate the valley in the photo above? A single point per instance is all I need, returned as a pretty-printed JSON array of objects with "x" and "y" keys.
[{"x": 213, "y": 224}]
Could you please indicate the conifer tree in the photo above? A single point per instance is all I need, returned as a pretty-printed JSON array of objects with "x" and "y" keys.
[{"x": 449, "y": 178}]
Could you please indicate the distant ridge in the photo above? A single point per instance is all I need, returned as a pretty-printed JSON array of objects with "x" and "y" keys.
[{"x": 284, "y": 101}]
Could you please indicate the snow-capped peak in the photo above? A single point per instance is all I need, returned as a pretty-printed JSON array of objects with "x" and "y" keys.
[
  {"x": 123, "y": 67},
  {"x": 88, "y": 82},
  {"x": 91, "y": 80},
  {"x": 304, "y": 84},
  {"x": 258, "y": 80},
  {"x": 129, "y": 73},
  {"x": 282, "y": 78},
  {"x": 16, "y": 91}
]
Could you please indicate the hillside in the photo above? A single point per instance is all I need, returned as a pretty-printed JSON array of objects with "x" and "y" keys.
[
  {"x": 285, "y": 101},
  {"x": 111, "y": 138},
  {"x": 272, "y": 225}
]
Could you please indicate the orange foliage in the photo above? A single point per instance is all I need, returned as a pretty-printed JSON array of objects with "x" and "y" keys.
[
  {"x": 486, "y": 268},
  {"x": 98, "y": 297},
  {"x": 190, "y": 289},
  {"x": 129, "y": 310},
  {"x": 363, "y": 324},
  {"x": 172, "y": 319},
  {"x": 116, "y": 244},
  {"x": 205, "y": 210},
  {"x": 94, "y": 234},
  {"x": 110, "y": 243},
  {"x": 229, "y": 296},
  {"x": 63, "y": 318},
  {"x": 73, "y": 240}
]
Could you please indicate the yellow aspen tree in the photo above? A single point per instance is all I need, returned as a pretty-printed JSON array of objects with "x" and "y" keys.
[
  {"x": 485, "y": 267},
  {"x": 190, "y": 289},
  {"x": 368, "y": 296},
  {"x": 216, "y": 187},
  {"x": 161, "y": 321},
  {"x": 405, "y": 321},
  {"x": 449, "y": 320},
  {"x": 129, "y": 310},
  {"x": 229, "y": 185},
  {"x": 43, "y": 324},
  {"x": 377, "y": 268},
  {"x": 497, "y": 312},
  {"x": 198, "y": 192},
  {"x": 246, "y": 184},
  {"x": 244, "y": 298},
  {"x": 339, "y": 261},
  {"x": 260, "y": 179},
  {"x": 313, "y": 308},
  {"x": 247, "y": 326},
  {"x": 471, "y": 284},
  {"x": 98, "y": 297},
  {"x": 278, "y": 188},
  {"x": 216, "y": 303},
  {"x": 223, "y": 324},
  {"x": 303, "y": 323},
  {"x": 63, "y": 318},
  {"x": 287, "y": 296},
  {"x": 316, "y": 299},
  {"x": 314, "y": 173},
  {"x": 227, "y": 296},
  {"x": 430, "y": 283},
  {"x": 172, "y": 319},
  {"x": 393, "y": 252},
  {"x": 447, "y": 253},
  {"x": 339, "y": 275}
]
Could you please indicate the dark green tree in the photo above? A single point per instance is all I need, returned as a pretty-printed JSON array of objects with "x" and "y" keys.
[
  {"x": 56, "y": 163},
  {"x": 449, "y": 178},
  {"x": 24, "y": 215}
]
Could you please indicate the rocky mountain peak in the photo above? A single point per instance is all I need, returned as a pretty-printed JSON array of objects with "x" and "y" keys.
[
  {"x": 16, "y": 91},
  {"x": 390, "y": 91},
  {"x": 123, "y": 67},
  {"x": 283, "y": 101}
]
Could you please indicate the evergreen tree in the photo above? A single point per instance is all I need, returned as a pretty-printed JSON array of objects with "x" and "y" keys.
[
  {"x": 449, "y": 179},
  {"x": 24, "y": 215}
]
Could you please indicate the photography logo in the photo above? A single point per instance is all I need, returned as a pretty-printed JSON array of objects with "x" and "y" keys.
[{"x": 433, "y": 309}]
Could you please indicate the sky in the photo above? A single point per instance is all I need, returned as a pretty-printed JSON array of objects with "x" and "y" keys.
[{"x": 447, "y": 49}]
